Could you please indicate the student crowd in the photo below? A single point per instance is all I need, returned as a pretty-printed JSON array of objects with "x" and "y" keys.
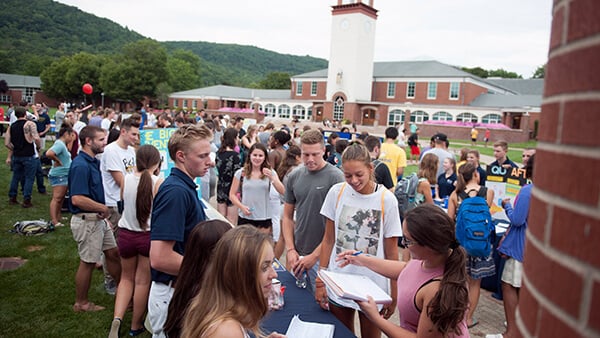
[{"x": 327, "y": 206}]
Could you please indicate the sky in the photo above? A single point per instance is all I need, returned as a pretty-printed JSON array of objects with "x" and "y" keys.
[{"x": 510, "y": 34}]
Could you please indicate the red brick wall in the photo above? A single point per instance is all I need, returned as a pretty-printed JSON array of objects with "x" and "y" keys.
[
  {"x": 561, "y": 294},
  {"x": 468, "y": 92},
  {"x": 306, "y": 91}
]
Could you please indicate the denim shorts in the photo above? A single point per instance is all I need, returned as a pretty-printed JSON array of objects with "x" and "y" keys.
[{"x": 58, "y": 180}]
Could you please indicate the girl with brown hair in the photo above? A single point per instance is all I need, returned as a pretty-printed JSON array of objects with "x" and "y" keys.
[{"x": 432, "y": 286}]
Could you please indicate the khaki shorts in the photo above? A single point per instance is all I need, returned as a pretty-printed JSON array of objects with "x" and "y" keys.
[
  {"x": 93, "y": 236},
  {"x": 513, "y": 272}
]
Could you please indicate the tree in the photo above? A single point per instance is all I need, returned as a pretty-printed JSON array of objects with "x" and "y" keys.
[
  {"x": 540, "y": 72},
  {"x": 64, "y": 77},
  {"x": 136, "y": 71},
  {"x": 276, "y": 80},
  {"x": 162, "y": 94},
  {"x": 3, "y": 87},
  {"x": 181, "y": 75},
  {"x": 504, "y": 74},
  {"x": 477, "y": 71}
]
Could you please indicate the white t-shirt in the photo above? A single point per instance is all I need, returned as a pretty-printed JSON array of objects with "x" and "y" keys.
[
  {"x": 105, "y": 124},
  {"x": 357, "y": 220},
  {"x": 115, "y": 158},
  {"x": 128, "y": 220}
]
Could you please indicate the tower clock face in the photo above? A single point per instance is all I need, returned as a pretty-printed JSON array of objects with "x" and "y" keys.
[{"x": 344, "y": 24}]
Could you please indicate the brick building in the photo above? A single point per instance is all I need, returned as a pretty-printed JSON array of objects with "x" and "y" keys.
[
  {"x": 433, "y": 95},
  {"x": 24, "y": 87}
]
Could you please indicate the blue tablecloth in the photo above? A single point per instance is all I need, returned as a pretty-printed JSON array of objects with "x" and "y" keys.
[{"x": 300, "y": 302}]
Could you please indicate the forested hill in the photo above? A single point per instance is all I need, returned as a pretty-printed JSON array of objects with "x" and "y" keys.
[{"x": 36, "y": 32}]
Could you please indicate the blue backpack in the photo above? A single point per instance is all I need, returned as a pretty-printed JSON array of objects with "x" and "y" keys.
[{"x": 474, "y": 224}]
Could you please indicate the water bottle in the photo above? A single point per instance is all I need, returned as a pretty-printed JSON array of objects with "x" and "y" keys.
[{"x": 301, "y": 282}]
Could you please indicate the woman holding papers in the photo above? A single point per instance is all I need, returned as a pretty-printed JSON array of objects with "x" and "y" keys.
[
  {"x": 235, "y": 287},
  {"x": 432, "y": 287},
  {"x": 360, "y": 215}
]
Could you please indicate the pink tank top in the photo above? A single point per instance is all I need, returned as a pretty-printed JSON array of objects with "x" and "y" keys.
[{"x": 410, "y": 280}]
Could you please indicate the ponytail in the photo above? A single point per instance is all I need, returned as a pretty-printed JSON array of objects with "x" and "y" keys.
[
  {"x": 143, "y": 201},
  {"x": 465, "y": 174},
  {"x": 448, "y": 307}
]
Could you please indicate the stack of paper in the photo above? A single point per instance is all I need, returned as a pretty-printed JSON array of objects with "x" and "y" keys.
[
  {"x": 300, "y": 329},
  {"x": 356, "y": 287}
]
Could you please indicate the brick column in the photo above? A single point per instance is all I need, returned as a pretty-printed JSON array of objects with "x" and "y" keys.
[{"x": 561, "y": 289}]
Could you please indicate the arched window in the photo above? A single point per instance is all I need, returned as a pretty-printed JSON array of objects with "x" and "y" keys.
[
  {"x": 466, "y": 117},
  {"x": 309, "y": 112},
  {"x": 338, "y": 108},
  {"x": 284, "y": 111},
  {"x": 442, "y": 116},
  {"x": 270, "y": 110},
  {"x": 491, "y": 118},
  {"x": 299, "y": 112},
  {"x": 419, "y": 116},
  {"x": 395, "y": 116}
]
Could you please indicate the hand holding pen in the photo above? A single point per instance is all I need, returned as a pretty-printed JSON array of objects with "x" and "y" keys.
[{"x": 351, "y": 257}]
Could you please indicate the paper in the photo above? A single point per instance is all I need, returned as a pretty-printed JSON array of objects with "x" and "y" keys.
[
  {"x": 301, "y": 329},
  {"x": 356, "y": 287}
]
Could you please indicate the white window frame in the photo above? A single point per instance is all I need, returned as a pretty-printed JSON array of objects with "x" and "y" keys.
[
  {"x": 283, "y": 111},
  {"x": 313, "y": 88},
  {"x": 270, "y": 110},
  {"x": 175, "y": 103},
  {"x": 299, "y": 88},
  {"x": 442, "y": 116},
  {"x": 411, "y": 86},
  {"x": 299, "y": 111},
  {"x": 431, "y": 90},
  {"x": 419, "y": 116},
  {"x": 338, "y": 108},
  {"x": 491, "y": 118},
  {"x": 395, "y": 116},
  {"x": 472, "y": 117},
  {"x": 391, "y": 89},
  {"x": 454, "y": 88}
]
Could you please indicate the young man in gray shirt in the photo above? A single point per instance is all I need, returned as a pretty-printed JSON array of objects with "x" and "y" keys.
[{"x": 305, "y": 192}]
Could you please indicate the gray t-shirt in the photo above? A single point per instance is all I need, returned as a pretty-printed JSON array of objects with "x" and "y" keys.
[
  {"x": 307, "y": 190},
  {"x": 263, "y": 137},
  {"x": 441, "y": 154},
  {"x": 255, "y": 194}
]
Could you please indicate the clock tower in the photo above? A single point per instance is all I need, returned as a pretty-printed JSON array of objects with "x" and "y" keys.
[{"x": 350, "y": 70}]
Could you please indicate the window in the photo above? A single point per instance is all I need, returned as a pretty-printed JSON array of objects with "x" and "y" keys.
[
  {"x": 466, "y": 117},
  {"x": 491, "y": 118},
  {"x": 299, "y": 112},
  {"x": 298, "y": 88},
  {"x": 338, "y": 108},
  {"x": 28, "y": 96},
  {"x": 5, "y": 98},
  {"x": 284, "y": 111},
  {"x": 309, "y": 112},
  {"x": 431, "y": 90},
  {"x": 442, "y": 116},
  {"x": 175, "y": 103},
  {"x": 419, "y": 116},
  {"x": 454, "y": 90},
  {"x": 395, "y": 116},
  {"x": 391, "y": 89},
  {"x": 270, "y": 110},
  {"x": 313, "y": 88},
  {"x": 194, "y": 104},
  {"x": 410, "y": 90}
]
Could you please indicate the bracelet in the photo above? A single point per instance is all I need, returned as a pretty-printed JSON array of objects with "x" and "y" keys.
[{"x": 288, "y": 250}]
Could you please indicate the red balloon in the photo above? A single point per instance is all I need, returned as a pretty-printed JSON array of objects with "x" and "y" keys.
[{"x": 87, "y": 89}]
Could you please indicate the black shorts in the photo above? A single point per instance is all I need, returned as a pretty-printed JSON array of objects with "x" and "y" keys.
[{"x": 262, "y": 223}]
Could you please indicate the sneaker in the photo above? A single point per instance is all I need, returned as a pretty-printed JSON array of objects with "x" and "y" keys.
[
  {"x": 27, "y": 204},
  {"x": 59, "y": 224},
  {"x": 110, "y": 286}
]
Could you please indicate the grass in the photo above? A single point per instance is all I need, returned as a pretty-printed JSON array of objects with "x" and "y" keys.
[{"x": 36, "y": 299}]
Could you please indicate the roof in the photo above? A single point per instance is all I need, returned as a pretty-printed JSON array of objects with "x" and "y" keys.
[
  {"x": 507, "y": 101},
  {"x": 521, "y": 86},
  {"x": 235, "y": 92},
  {"x": 404, "y": 69},
  {"x": 21, "y": 81}
]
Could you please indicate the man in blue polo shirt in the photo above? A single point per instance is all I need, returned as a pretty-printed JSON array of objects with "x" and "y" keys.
[
  {"x": 502, "y": 162},
  {"x": 90, "y": 231},
  {"x": 175, "y": 212}
]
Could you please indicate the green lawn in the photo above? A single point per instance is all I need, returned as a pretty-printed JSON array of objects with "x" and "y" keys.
[{"x": 36, "y": 299}]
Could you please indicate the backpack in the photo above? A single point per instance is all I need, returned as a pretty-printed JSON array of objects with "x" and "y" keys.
[
  {"x": 32, "y": 228},
  {"x": 405, "y": 193},
  {"x": 474, "y": 225}
]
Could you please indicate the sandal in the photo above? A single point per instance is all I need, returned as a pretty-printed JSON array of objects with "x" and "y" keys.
[{"x": 91, "y": 307}]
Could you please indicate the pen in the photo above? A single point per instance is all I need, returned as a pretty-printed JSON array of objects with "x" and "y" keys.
[{"x": 357, "y": 253}]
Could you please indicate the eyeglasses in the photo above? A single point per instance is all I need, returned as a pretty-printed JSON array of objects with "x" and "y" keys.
[{"x": 407, "y": 242}]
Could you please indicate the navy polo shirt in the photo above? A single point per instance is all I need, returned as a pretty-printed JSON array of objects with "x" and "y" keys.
[
  {"x": 85, "y": 179},
  {"x": 446, "y": 184},
  {"x": 175, "y": 212}
]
